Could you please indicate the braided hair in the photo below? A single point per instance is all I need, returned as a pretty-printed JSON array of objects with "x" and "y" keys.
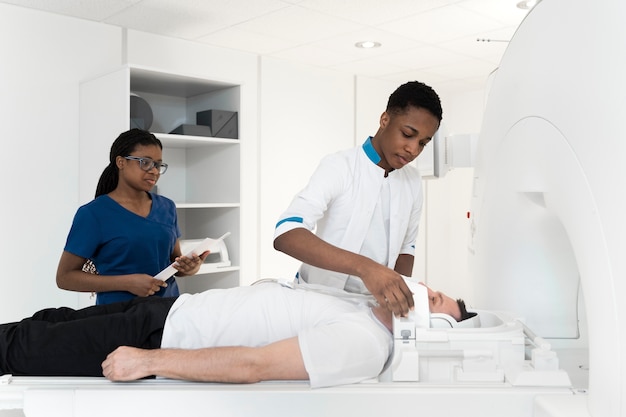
[
  {"x": 415, "y": 94},
  {"x": 123, "y": 146}
]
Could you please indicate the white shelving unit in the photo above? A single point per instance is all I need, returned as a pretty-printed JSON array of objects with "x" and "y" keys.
[{"x": 203, "y": 177}]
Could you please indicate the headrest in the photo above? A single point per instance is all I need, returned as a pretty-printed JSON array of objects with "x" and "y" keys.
[{"x": 442, "y": 320}]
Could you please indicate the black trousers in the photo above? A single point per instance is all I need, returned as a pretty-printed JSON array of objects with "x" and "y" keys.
[{"x": 67, "y": 342}]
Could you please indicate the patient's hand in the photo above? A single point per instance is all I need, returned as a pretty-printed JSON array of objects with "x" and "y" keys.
[{"x": 126, "y": 364}]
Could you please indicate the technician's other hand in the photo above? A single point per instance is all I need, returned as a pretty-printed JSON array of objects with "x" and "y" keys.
[
  {"x": 126, "y": 364},
  {"x": 390, "y": 290},
  {"x": 144, "y": 285}
]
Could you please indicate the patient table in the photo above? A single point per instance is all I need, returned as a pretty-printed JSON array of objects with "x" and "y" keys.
[
  {"x": 475, "y": 368},
  {"x": 52, "y": 397}
]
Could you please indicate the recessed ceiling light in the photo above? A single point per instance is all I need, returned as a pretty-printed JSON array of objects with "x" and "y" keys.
[
  {"x": 367, "y": 44},
  {"x": 527, "y": 4}
]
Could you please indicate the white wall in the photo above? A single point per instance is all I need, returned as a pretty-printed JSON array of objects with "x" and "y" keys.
[
  {"x": 305, "y": 113},
  {"x": 447, "y": 203},
  {"x": 43, "y": 57}
]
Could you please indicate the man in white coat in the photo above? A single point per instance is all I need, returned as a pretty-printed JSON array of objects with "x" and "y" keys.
[{"x": 365, "y": 204}]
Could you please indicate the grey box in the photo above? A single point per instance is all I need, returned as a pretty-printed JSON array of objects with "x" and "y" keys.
[
  {"x": 223, "y": 123},
  {"x": 192, "y": 130}
]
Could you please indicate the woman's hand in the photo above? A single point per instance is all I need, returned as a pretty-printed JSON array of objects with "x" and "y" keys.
[
  {"x": 189, "y": 266},
  {"x": 144, "y": 285}
]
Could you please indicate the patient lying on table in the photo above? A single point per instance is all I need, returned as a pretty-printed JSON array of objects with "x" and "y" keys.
[{"x": 262, "y": 332}]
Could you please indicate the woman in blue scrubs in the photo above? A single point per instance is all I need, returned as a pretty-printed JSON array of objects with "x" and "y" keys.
[{"x": 129, "y": 233}]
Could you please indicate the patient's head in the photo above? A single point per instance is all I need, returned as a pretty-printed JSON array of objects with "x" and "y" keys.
[{"x": 438, "y": 302}]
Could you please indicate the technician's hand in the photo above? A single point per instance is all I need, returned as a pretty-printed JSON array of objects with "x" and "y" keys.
[
  {"x": 390, "y": 290},
  {"x": 126, "y": 364},
  {"x": 144, "y": 285},
  {"x": 189, "y": 266}
]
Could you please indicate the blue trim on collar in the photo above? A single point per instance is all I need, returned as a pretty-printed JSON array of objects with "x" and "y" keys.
[{"x": 369, "y": 150}]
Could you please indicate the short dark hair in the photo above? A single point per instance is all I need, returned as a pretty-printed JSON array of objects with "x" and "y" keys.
[
  {"x": 415, "y": 94},
  {"x": 464, "y": 313}
]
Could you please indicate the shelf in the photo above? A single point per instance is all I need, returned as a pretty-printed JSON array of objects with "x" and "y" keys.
[
  {"x": 204, "y": 174},
  {"x": 208, "y": 269},
  {"x": 183, "y": 141},
  {"x": 176, "y": 85}
]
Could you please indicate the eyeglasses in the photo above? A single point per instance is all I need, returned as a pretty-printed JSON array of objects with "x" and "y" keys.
[{"x": 147, "y": 164}]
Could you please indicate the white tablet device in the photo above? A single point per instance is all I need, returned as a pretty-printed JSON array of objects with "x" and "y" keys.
[{"x": 207, "y": 244}]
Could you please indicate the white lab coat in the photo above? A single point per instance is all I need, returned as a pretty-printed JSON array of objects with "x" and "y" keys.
[{"x": 340, "y": 199}]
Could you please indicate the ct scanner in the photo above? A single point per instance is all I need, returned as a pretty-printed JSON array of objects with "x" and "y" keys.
[{"x": 548, "y": 243}]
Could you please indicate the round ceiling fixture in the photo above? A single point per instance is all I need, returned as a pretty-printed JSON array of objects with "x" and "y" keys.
[{"x": 367, "y": 44}]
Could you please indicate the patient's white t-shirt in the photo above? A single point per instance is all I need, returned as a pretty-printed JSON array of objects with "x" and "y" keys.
[{"x": 341, "y": 342}]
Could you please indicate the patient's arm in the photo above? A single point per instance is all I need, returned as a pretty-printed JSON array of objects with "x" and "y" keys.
[{"x": 278, "y": 361}]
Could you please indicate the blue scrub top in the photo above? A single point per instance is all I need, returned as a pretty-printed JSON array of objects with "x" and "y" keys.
[{"x": 120, "y": 242}]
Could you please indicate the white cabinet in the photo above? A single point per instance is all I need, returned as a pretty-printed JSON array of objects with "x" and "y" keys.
[{"x": 203, "y": 177}]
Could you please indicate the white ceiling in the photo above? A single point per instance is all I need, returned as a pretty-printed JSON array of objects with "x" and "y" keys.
[{"x": 435, "y": 41}]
